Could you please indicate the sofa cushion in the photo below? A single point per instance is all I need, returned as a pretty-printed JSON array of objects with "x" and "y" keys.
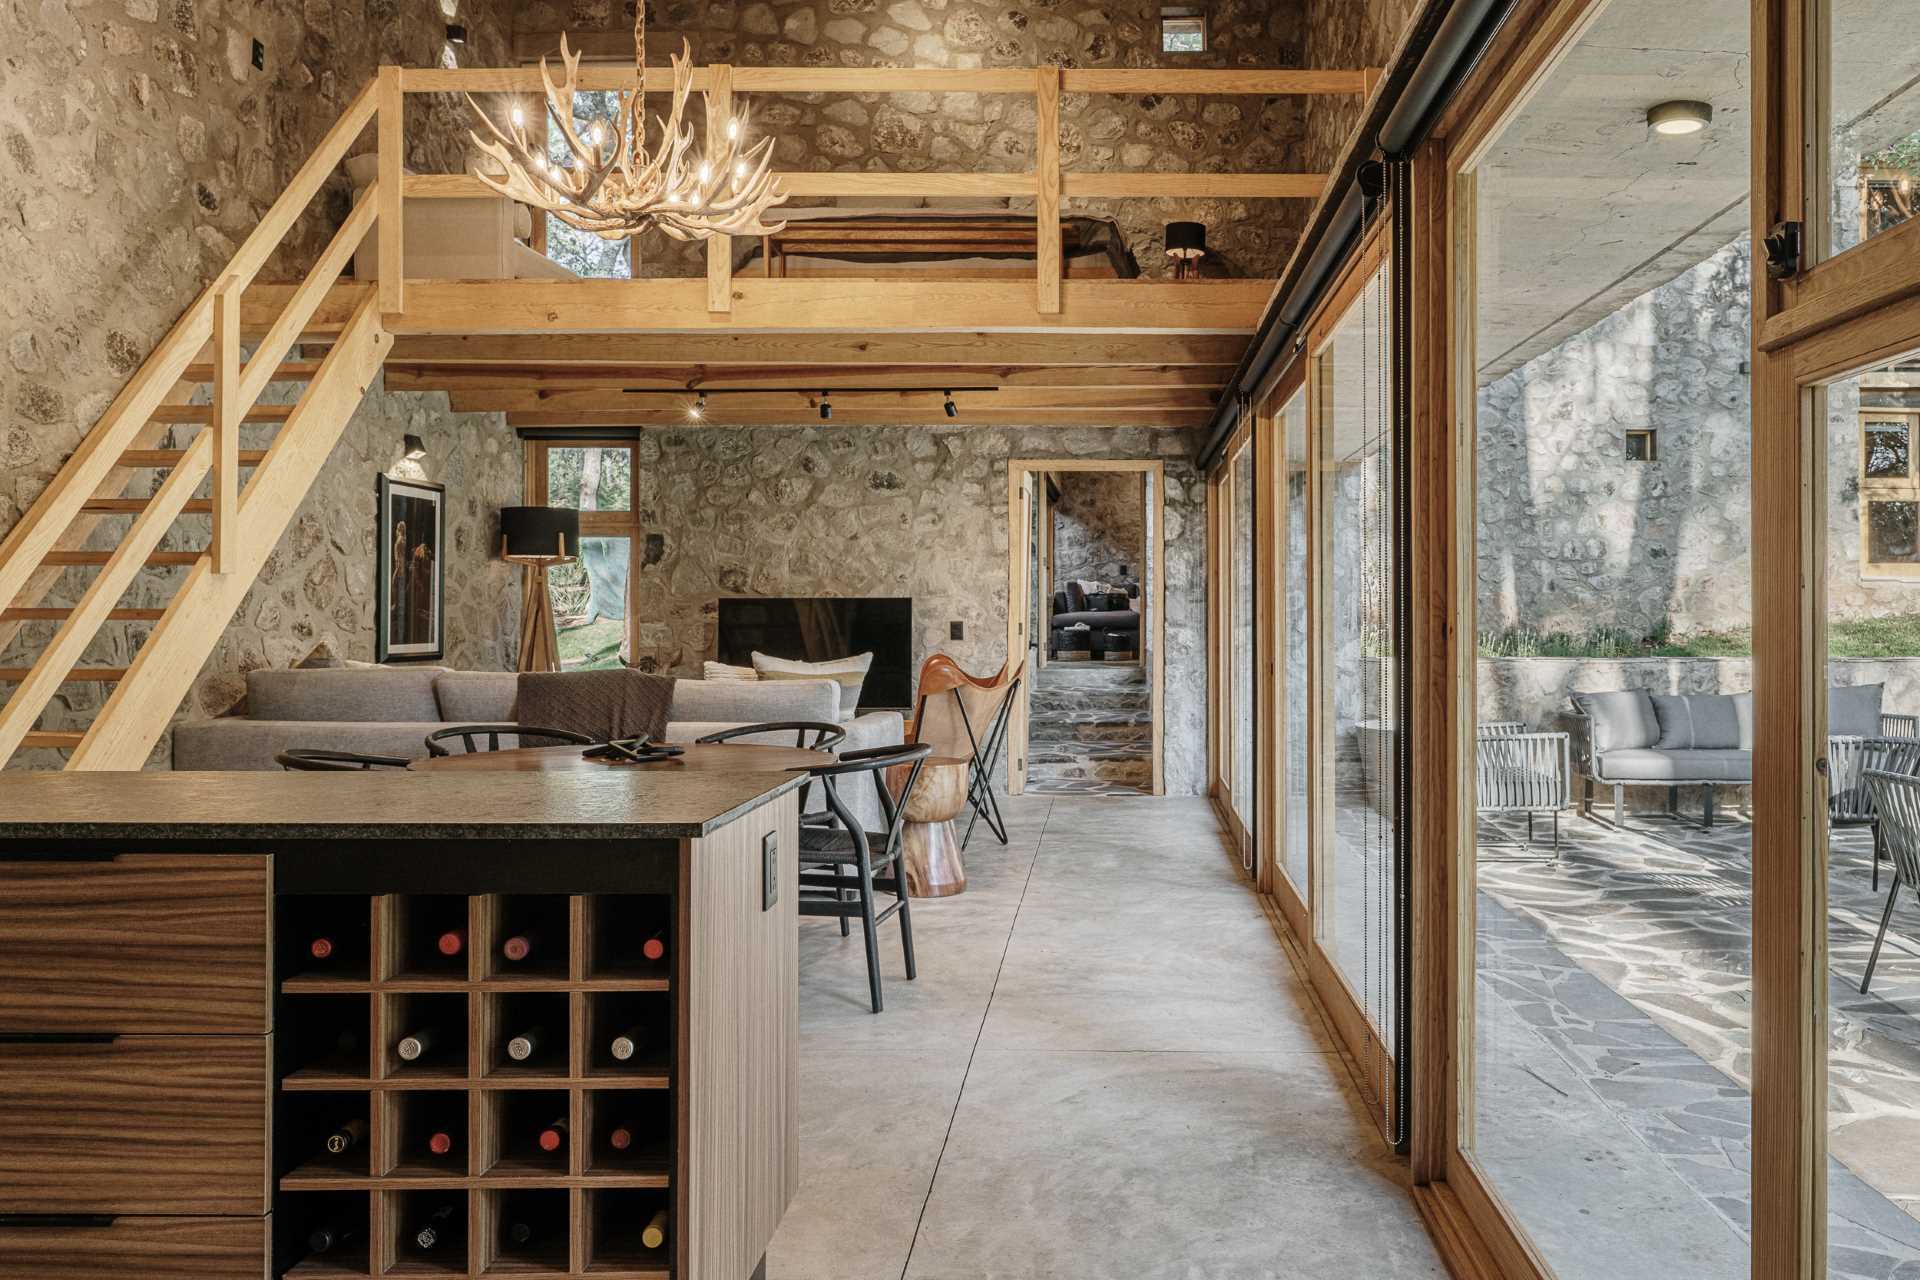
[
  {"x": 234, "y": 743},
  {"x": 1743, "y": 711},
  {"x": 1853, "y": 710},
  {"x": 754, "y": 701},
  {"x": 1623, "y": 719},
  {"x": 1648, "y": 764},
  {"x": 344, "y": 693},
  {"x": 849, "y": 673},
  {"x": 723, "y": 671},
  {"x": 1696, "y": 721},
  {"x": 477, "y": 697}
]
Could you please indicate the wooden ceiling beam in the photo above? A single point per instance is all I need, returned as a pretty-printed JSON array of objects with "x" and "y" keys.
[
  {"x": 849, "y": 415},
  {"x": 1027, "y": 350},
  {"x": 465, "y": 378},
  {"x": 929, "y": 403}
]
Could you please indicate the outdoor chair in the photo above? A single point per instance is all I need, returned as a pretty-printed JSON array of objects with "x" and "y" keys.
[
  {"x": 965, "y": 718},
  {"x": 1517, "y": 772},
  {"x": 841, "y": 865},
  {"x": 1897, "y": 797},
  {"x": 1850, "y": 801}
]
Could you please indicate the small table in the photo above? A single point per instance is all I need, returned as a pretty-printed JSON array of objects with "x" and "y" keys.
[
  {"x": 723, "y": 757},
  {"x": 930, "y": 852}
]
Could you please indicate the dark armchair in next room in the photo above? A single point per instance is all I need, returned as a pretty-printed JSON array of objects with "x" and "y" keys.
[{"x": 1112, "y": 624}]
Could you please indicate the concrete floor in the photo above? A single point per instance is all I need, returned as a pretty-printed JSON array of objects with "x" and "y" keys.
[{"x": 1107, "y": 1068}]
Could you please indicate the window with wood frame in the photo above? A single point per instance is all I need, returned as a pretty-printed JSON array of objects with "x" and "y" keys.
[
  {"x": 1889, "y": 494},
  {"x": 592, "y": 605}
]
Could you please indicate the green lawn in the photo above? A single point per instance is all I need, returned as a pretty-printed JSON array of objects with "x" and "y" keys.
[
  {"x": 596, "y": 644},
  {"x": 1894, "y": 637}
]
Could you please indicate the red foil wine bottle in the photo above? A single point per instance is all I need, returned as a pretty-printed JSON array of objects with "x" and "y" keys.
[{"x": 554, "y": 1136}]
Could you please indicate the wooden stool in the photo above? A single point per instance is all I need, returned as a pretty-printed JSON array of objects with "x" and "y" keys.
[{"x": 930, "y": 851}]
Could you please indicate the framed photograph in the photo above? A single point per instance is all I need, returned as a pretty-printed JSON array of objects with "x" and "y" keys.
[{"x": 410, "y": 592}]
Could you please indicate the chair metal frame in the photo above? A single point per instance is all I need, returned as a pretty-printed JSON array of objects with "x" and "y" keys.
[
  {"x": 1850, "y": 801},
  {"x": 939, "y": 675},
  {"x": 1896, "y": 796},
  {"x": 827, "y": 889},
  {"x": 323, "y": 760},
  {"x": 467, "y": 733},
  {"x": 826, "y": 735},
  {"x": 1517, "y": 771}
]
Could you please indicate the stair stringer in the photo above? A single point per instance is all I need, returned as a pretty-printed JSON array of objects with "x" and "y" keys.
[{"x": 141, "y": 706}]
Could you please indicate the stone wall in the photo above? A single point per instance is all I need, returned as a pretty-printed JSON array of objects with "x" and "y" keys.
[
  {"x": 1100, "y": 526},
  {"x": 138, "y": 147},
  {"x": 994, "y": 132},
  {"x": 896, "y": 511}
]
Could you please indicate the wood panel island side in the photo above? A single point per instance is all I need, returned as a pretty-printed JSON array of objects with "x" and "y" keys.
[{"x": 389, "y": 1024}]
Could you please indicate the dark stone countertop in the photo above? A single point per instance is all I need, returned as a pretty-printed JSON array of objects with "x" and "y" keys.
[{"x": 597, "y": 804}]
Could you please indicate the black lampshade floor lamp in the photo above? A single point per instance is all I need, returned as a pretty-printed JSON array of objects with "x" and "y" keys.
[{"x": 538, "y": 538}]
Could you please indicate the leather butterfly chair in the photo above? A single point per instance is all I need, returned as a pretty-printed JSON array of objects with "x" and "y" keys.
[{"x": 965, "y": 717}]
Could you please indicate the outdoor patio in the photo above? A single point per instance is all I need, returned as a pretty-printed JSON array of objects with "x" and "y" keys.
[{"x": 1615, "y": 1013}]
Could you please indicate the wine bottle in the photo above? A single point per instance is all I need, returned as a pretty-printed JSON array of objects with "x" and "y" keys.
[
  {"x": 417, "y": 1045},
  {"x": 321, "y": 948},
  {"x": 621, "y": 1138},
  {"x": 654, "y": 1234},
  {"x": 346, "y": 1137},
  {"x": 522, "y": 1233},
  {"x": 526, "y": 1044},
  {"x": 655, "y": 948},
  {"x": 437, "y": 1229},
  {"x": 627, "y": 1044},
  {"x": 452, "y": 942},
  {"x": 520, "y": 946},
  {"x": 440, "y": 1142},
  {"x": 330, "y": 1236},
  {"x": 554, "y": 1136}
]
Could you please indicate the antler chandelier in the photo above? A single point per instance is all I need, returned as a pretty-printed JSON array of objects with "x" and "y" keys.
[{"x": 612, "y": 185}]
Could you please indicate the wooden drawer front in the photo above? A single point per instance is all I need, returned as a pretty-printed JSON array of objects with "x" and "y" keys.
[
  {"x": 196, "y": 1248},
  {"x": 152, "y": 1124},
  {"x": 152, "y": 943}
]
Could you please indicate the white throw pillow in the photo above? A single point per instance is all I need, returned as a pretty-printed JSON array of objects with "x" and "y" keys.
[
  {"x": 721, "y": 671},
  {"x": 849, "y": 673}
]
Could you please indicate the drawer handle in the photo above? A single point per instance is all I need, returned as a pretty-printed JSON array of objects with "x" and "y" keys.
[
  {"x": 58, "y": 1221},
  {"x": 58, "y": 1037}
]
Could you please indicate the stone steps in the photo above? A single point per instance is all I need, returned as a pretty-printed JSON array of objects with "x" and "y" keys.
[
  {"x": 1104, "y": 730},
  {"x": 1064, "y": 702}
]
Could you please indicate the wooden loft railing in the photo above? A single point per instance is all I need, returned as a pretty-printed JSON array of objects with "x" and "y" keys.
[
  {"x": 1045, "y": 183},
  {"x": 248, "y": 515}
]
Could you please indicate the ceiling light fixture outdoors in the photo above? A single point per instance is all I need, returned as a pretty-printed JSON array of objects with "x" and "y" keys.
[
  {"x": 611, "y": 184},
  {"x": 698, "y": 409},
  {"x": 1680, "y": 118}
]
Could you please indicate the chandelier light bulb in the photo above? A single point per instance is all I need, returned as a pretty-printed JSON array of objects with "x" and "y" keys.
[
  {"x": 733, "y": 129},
  {"x": 706, "y": 174},
  {"x": 519, "y": 117},
  {"x": 740, "y": 170}
]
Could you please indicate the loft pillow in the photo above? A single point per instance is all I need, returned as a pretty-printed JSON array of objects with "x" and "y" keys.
[
  {"x": 1696, "y": 722},
  {"x": 849, "y": 673}
]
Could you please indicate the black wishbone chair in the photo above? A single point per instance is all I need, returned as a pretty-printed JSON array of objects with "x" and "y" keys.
[
  {"x": 319, "y": 760},
  {"x": 965, "y": 718},
  {"x": 840, "y": 865},
  {"x": 470, "y": 734},
  {"x": 826, "y": 736}
]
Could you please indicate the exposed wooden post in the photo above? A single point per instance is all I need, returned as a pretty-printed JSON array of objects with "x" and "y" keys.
[
  {"x": 1046, "y": 172},
  {"x": 392, "y": 193},
  {"x": 719, "y": 248},
  {"x": 227, "y": 411}
]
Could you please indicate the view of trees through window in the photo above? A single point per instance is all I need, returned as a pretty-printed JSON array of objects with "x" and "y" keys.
[
  {"x": 590, "y": 594},
  {"x": 582, "y": 252}
]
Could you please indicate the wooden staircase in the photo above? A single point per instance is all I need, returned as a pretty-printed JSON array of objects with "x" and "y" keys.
[{"x": 93, "y": 515}]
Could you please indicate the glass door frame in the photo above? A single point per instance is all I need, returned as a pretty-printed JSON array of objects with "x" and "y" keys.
[
  {"x": 1271, "y": 580},
  {"x": 1223, "y": 608}
]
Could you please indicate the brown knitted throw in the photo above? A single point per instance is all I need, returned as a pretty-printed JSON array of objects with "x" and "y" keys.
[{"x": 609, "y": 705}]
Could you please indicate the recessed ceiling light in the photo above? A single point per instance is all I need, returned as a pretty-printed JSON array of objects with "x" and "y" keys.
[{"x": 1676, "y": 119}]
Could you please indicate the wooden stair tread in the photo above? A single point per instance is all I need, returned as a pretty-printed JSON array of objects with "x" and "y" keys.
[
  {"x": 172, "y": 457},
  {"x": 79, "y": 675},
  {"x": 158, "y": 558},
  {"x": 203, "y": 413},
  {"x": 121, "y": 506},
  {"x": 52, "y": 738},
  {"x": 290, "y": 371},
  {"x": 47, "y": 614}
]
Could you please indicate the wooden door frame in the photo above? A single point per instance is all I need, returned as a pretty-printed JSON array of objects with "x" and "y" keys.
[
  {"x": 1223, "y": 501},
  {"x": 1273, "y": 568},
  {"x": 1021, "y": 474}
]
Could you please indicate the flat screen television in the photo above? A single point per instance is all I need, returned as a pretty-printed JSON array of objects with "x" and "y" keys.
[{"x": 822, "y": 628}]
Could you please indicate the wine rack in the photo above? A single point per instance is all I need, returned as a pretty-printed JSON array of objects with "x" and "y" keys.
[{"x": 510, "y": 1137}]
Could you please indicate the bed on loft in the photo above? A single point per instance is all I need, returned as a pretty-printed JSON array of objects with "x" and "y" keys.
[{"x": 962, "y": 241}]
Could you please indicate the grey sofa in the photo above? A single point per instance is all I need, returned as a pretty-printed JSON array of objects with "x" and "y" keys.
[
  {"x": 390, "y": 710},
  {"x": 1632, "y": 738}
]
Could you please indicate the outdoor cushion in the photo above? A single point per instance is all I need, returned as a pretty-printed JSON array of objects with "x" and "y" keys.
[
  {"x": 1696, "y": 721},
  {"x": 1853, "y": 710},
  {"x": 477, "y": 697},
  {"x": 1621, "y": 719},
  {"x": 344, "y": 693},
  {"x": 1645, "y": 764},
  {"x": 1743, "y": 710}
]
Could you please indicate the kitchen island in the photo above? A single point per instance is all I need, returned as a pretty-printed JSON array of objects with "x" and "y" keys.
[{"x": 332, "y": 1024}]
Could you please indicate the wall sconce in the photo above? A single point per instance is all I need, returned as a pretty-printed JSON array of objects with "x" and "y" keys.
[
  {"x": 456, "y": 33},
  {"x": 415, "y": 447},
  {"x": 1186, "y": 245}
]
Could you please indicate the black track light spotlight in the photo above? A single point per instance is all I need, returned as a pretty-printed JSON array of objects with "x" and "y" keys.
[
  {"x": 697, "y": 411},
  {"x": 826, "y": 407},
  {"x": 952, "y": 410}
]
